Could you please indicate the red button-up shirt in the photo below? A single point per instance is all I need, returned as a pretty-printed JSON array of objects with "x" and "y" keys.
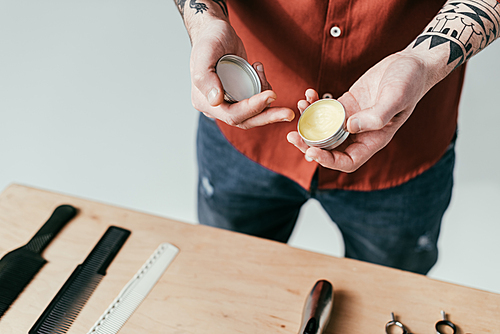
[{"x": 295, "y": 41}]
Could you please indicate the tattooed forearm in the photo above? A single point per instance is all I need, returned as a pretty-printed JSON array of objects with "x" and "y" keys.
[
  {"x": 467, "y": 26},
  {"x": 200, "y": 7},
  {"x": 222, "y": 5}
]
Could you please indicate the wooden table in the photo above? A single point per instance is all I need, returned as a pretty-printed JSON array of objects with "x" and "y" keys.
[{"x": 221, "y": 281}]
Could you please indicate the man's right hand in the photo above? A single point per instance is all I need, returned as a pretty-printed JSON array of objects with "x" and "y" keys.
[{"x": 211, "y": 38}]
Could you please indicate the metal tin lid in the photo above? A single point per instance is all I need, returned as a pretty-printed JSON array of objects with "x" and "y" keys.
[{"x": 238, "y": 77}]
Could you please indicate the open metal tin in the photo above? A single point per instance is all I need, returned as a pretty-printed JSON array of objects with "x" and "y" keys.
[{"x": 322, "y": 124}]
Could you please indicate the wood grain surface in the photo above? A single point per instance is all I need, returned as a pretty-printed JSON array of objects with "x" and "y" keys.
[{"x": 221, "y": 281}]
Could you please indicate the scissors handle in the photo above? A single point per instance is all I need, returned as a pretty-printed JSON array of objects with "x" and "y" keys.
[
  {"x": 445, "y": 323},
  {"x": 396, "y": 323}
]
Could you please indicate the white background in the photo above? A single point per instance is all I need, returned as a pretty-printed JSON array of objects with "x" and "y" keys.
[{"x": 95, "y": 103}]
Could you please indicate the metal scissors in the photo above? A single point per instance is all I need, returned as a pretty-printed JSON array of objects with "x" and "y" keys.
[
  {"x": 440, "y": 325},
  {"x": 396, "y": 323},
  {"x": 445, "y": 323}
]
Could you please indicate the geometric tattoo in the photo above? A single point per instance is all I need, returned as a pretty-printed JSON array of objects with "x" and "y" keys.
[
  {"x": 468, "y": 26},
  {"x": 200, "y": 7}
]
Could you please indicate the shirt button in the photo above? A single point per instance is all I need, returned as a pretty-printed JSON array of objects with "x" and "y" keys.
[
  {"x": 335, "y": 31},
  {"x": 327, "y": 96}
]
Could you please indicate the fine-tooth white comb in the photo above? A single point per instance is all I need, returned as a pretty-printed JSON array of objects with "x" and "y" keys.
[{"x": 135, "y": 291}]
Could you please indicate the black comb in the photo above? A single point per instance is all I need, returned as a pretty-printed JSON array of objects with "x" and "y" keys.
[
  {"x": 18, "y": 267},
  {"x": 71, "y": 298}
]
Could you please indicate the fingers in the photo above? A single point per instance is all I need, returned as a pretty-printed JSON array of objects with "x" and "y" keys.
[
  {"x": 377, "y": 105},
  {"x": 302, "y": 105},
  {"x": 234, "y": 113},
  {"x": 295, "y": 139},
  {"x": 346, "y": 161},
  {"x": 259, "y": 68},
  {"x": 348, "y": 157},
  {"x": 255, "y": 111},
  {"x": 311, "y": 97},
  {"x": 237, "y": 113},
  {"x": 245, "y": 114},
  {"x": 268, "y": 116},
  {"x": 208, "y": 98},
  {"x": 324, "y": 158}
]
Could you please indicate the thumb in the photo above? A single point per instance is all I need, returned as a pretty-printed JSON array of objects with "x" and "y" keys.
[
  {"x": 372, "y": 118},
  {"x": 209, "y": 84},
  {"x": 363, "y": 121}
]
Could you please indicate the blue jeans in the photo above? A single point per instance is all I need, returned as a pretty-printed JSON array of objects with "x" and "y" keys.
[{"x": 396, "y": 227}]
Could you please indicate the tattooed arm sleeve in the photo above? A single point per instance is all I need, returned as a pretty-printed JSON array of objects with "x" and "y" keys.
[
  {"x": 200, "y": 7},
  {"x": 195, "y": 12},
  {"x": 461, "y": 29}
]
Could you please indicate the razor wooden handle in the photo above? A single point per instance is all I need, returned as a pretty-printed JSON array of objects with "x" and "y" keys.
[{"x": 61, "y": 215}]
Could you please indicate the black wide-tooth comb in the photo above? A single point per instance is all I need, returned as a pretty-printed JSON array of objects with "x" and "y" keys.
[
  {"x": 71, "y": 298},
  {"x": 18, "y": 267}
]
